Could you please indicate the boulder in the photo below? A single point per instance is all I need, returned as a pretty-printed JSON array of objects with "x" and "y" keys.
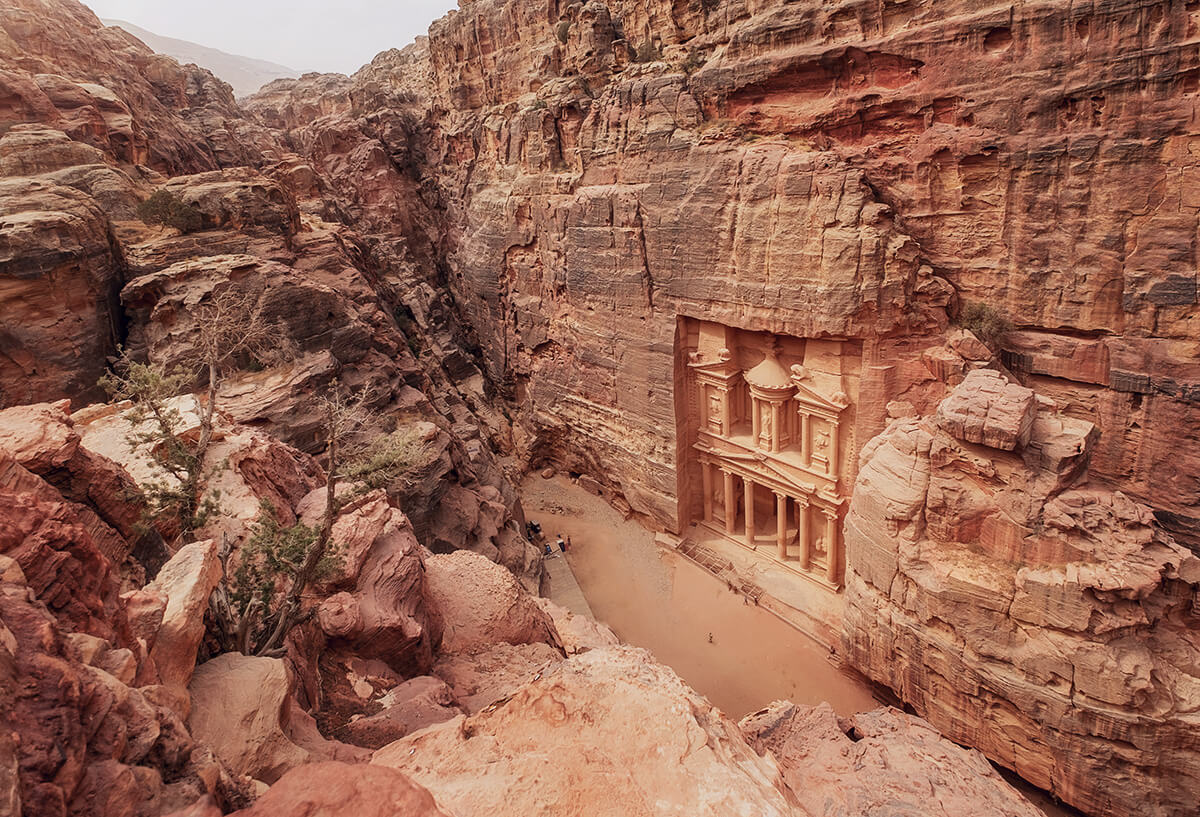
[
  {"x": 878, "y": 764},
  {"x": 496, "y": 609},
  {"x": 987, "y": 409},
  {"x": 238, "y": 706},
  {"x": 187, "y": 581},
  {"x": 608, "y": 732},
  {"x": 334, "y": 789}
]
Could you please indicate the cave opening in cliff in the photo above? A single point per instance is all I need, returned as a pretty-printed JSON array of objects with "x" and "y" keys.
[{"x": 764, "y": 422}]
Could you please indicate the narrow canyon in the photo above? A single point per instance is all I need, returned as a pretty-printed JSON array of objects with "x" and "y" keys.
[{"x": 853, "y": 346}]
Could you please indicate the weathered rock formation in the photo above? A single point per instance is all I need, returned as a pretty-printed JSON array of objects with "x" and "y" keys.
[
  {"x": 1048, "y": 623},
  {"x": 880, "y": 763},
  {"x": 508, "y": 233}
]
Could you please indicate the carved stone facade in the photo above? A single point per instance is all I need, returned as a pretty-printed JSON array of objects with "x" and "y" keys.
[{"x": 765, "y": 429}]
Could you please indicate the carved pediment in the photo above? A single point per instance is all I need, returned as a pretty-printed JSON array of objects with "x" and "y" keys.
[{"x": 807, "y": 395}]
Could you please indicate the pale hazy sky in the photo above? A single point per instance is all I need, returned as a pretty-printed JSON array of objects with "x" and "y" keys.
[{"x": 307, "y": 35}]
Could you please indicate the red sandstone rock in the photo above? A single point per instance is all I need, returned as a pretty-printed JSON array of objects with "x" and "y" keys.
[
  {"x": 413, "y": 705},
  {"x": 577, "y": 633},
  {"x": 481, "y": 679},
  {"x": 238, "y": 704},
  {"x": 496, "y": 610},
  {"x": 881, "y": 762},
  {"x": 1050, "y": 619},
  {"x": 331, "y": 789},
  {"x": 60, "y": 275},
  {"x": 987, "y": 409},
  {"x": 559, "y": 743},
  {"x": 386, "y": 615},
  {"x": 187, "y": 581}
]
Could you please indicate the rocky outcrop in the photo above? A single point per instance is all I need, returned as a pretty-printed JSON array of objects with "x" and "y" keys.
[
  {"x": 497, "y": 609},
  {"x": 559, "y": 742},
  {"x": 330, "y": 789},
  {"x": 878, "y": 763},
  {"x": 1048, "y": 623}
]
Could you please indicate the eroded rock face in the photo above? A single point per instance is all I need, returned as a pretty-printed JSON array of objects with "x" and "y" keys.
[
  {"x": 386, "y": 613},
  {"x": 60, "y": 273},
  {"x": 1049, "y": 624}
]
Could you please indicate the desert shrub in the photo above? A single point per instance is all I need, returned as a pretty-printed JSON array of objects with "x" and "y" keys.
[
  {"x": 385, "y": 460},
  {"x": 647, "y": 52},
  {"x": 563, "y": 31},
  {"x": 986, "y": 322},
  {"x": 272, "y": 558},
  {"x": 168, "y": 210}
]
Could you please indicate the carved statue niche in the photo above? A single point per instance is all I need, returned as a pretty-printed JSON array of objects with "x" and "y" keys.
[
  {"x": 716, "y": 382},
  {"x": 820, "y": 419}
]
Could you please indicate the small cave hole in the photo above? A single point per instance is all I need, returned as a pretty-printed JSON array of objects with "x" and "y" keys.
[{"x": 998, "y": 39}]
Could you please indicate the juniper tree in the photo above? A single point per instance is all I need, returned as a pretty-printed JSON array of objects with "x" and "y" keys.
[
  {"x": 254, "y": 608},
  {"x": 231, "y": 329}
]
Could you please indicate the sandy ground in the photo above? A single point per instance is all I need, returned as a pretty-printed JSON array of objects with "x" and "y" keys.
[{"x": 737, "y": 655}]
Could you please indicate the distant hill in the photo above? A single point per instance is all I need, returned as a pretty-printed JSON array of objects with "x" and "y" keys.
[{"x": 245, "y": 74}]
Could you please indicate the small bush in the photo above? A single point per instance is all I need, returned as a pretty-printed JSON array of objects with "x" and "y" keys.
[
  {"x": 647, "y": 52},
  {"x": 694, "y": 62},
  {"x": 168, "y": 210},
  {"x": 386, "y": 460},
  {"x": 986, "y": 322},
  {"x": 563, "y": 31}
]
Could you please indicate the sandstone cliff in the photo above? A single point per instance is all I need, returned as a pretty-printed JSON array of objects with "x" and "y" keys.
[{"x": 504, "y": 231}]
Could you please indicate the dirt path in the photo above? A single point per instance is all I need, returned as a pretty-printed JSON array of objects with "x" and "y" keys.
[{"x": 739, "y": 656}]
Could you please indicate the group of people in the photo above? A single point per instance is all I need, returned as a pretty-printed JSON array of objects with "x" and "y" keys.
[{"x": 535, "y": 532}]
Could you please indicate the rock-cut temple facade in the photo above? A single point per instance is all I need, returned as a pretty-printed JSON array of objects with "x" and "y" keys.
[{"x": 767, "y": 421}]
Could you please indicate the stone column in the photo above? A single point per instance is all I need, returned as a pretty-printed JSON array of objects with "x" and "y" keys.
[
  {"x": 833, "y": 449},
  {"x": 805, "y": 533},
  {"x": 806, "y": 439},
  {"x": 756, "y": 427},
  {"x": 832, "y": 550},
  {"x": 781, "y": 516},
  {"x": 726, "y": 414},
  {"x": 730, "y": 502},
  {"x": 775, "y": 435},
  {"x": 707, "y": 482},
  {"x": 749, "y": 511}
]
